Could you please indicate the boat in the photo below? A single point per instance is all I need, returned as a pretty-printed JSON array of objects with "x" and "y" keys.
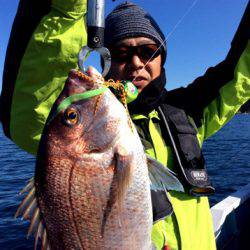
[{"x": 231, "y": 218}]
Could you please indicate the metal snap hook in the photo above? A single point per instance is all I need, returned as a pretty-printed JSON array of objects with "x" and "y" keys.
[{"x": 104, "y": 53}]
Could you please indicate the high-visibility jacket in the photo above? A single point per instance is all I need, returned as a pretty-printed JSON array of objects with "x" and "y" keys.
[
  {"x": 190, "y": 226},
  {"x": 36, "y": 66}
]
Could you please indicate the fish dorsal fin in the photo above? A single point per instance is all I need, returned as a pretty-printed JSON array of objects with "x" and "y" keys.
[
  {"x": 161, "y": 177},
  {"x": 30, "y": 210}
]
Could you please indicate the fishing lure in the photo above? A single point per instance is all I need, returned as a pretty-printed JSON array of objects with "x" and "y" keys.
[{"x": 125, "y": 91}]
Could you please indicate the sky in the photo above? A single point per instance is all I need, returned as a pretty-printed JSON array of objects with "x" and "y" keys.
[{"x": 201, "y": 40}]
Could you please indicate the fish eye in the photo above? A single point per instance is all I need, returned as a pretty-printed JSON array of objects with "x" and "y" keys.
[{"x": 71, "y": 116}]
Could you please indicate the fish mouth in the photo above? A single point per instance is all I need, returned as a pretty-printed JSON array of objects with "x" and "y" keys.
[{"x": 79, "y": 79}]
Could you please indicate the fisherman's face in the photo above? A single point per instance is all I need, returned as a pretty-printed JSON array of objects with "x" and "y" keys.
[{"x": 130, "y": 61}]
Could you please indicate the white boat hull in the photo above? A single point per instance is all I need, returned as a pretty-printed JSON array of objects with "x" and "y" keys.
[{"x": 231, "y": 218}]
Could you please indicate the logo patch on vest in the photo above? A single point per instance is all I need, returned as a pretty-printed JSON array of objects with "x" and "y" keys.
[{"x": 199, "y": 175}]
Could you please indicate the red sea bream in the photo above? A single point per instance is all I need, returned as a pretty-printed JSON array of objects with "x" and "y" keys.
[{"x": 91, "y": 186}]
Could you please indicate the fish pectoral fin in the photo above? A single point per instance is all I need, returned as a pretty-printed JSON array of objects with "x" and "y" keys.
[
  {"x": 30, "y": 210},
  {"x": 162, "y": 178},
  {"x": 121, "y": 179},
  {"x": 122, "y": 172}
]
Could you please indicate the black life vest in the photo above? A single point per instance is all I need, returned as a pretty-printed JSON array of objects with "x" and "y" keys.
[
  {"x": 190, "y": 161},
  {"x": 188, "y": 158}
]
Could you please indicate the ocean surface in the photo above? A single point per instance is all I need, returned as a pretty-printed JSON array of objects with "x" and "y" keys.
[{"x": 227, "y": 155}]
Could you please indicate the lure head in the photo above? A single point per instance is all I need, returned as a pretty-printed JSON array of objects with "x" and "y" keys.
[{"x": 131, "y": 91}]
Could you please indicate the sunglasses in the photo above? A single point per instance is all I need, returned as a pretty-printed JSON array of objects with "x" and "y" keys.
[{"x": 125, "y": 53}]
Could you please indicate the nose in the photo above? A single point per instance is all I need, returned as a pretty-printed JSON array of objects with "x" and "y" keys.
[{"x": 136, "y": 61}]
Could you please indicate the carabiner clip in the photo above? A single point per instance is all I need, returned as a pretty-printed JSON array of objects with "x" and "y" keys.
[
  {"x": 104, "y": 53},
  {"x": 95, "y": 29}
]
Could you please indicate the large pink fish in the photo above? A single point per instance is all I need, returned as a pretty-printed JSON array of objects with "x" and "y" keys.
[{"x": 91, "y": 188}]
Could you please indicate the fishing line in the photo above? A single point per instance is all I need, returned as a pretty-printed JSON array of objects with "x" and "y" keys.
[{"x": 169, "y": 34}]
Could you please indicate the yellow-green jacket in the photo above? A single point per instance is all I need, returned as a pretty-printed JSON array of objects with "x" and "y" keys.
[{"x": 38, "y": 61}]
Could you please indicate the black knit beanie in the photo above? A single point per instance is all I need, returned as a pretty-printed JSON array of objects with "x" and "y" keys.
[{"x": 129, "y": 20}]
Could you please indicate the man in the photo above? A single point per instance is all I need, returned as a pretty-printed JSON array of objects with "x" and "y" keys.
[
  {"x": 172, "y": 125},
  {"x": 193, "y": 114}
]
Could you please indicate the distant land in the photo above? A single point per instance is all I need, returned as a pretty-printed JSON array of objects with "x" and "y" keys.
[{"x": 245, "y": 108}]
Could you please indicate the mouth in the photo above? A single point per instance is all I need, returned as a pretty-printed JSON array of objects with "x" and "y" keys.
[{"x": 138, "y": 81}]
